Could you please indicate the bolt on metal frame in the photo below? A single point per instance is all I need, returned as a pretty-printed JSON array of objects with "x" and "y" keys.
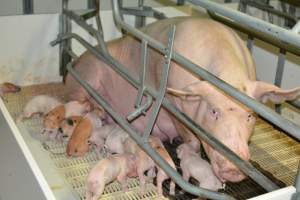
[{"x": 267, "y": 113}]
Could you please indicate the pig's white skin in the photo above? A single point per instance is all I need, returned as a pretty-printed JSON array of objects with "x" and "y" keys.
[
  {"x": 193, "y": 166},
  {"x": 99, "y": 136},
  {"x": 40, "y": 104},
  {"x": 114, "y": 142},
  {"x": 145, "y": 163},
  {"x": 115, "y": 167},
  {"x": 208, "y": 44},
  {"x": 76, "y": 108}
]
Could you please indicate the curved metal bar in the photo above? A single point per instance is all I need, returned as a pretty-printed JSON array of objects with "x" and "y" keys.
[
  {"x": 259, "y": 108},
  {"x": 246, "y": 167}
]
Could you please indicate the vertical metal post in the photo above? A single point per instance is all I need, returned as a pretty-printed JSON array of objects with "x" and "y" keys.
[
  {"x": 91, "y": 4},
  {"x": 180, "y": 2},
  {"x": 140, "y": 21},
  {"x": 243, "y": 6},
  {"x": 65, "y": 46},
  {"x": 296, "y": 196},
  {"x": 279, "y": 73},
  {"x": 250, "y": 43},
  {"x": 120, "y": 3},
  {"x": 27, "y": 7}
]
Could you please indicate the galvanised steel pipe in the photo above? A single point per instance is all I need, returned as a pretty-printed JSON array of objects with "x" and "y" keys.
[
  {"x": 201, "y": 192},
  {"x": 255, "y": 23},
  {"x": 97, "y": 34},
  {"x": 259, "y": 108},
  {"x": 246, "y": 167}
]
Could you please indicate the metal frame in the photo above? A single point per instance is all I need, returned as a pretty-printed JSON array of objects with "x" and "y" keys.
[
  {"x": 284, "y": 37},
  {"x": 27, "y": 7},
  {"x": 265, "y": 6}
]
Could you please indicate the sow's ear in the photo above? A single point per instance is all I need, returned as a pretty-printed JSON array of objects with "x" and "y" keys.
[
  {"x": 265, "y": 92},
  {"x": 197, "y": 89}
]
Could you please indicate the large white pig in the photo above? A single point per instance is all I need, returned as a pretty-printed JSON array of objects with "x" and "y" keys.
[{"x": 208, "y": 44}]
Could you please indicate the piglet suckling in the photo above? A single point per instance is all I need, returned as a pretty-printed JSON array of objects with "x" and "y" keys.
[
  {"x": 79, "y": 141},
  {"x": 40, "y": 104},
  {"x": 115, "y": 167},
  {"x": 145, "y": 163},
  {"x": 193, "y": 165},
  {"x": 8, "y": 88}
]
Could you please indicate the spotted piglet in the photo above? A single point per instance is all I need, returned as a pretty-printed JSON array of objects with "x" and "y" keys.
[{"x": 53, "y": 119}]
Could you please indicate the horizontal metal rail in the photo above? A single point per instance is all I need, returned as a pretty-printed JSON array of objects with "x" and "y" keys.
[
  {"x": 269, "y": 9},
  {"x": 259, "y": 35},
  {"x": 246, "y": 167},
  {"x": 280, "y": 34},
  {"x": 259, "y": 108}
]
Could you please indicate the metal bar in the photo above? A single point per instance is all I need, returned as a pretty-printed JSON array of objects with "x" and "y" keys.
[
  {"x": 145, "y": 146},
  {"x": 91, "y": 4},
  {"x": 86, "y": 13},
  {"x": 257, "y": 24},
  {"x": 259, "y": 35},
  {"x": 140, "y": 109},
  {"x": 72, "y": 54},
  {"x": 99, "y": 26},
  {"x": 295, "y": 103},
  {"x": 180, "y": 2},
  {"x": 142, "y": 73},
  {"x": 27, "y": 7},
  {"x": 140, "y": 21},
  {"x": 162, "y": 85},
  {"x": 296, "y": 195},
  {"x": 97, "y": 34},
  {"x": 250, "y": 43},
  {"x": 259, "y": 108},
  {"x": 64, "y": 57},
  {"x": 270, "y": 9},
  {"x": 144, "y": 11},
  {"x": 279, "y": 73},
  {"x": 206, "y": 137}
]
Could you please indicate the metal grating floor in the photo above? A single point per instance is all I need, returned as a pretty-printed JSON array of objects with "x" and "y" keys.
[{"x": 272, "y": 152}]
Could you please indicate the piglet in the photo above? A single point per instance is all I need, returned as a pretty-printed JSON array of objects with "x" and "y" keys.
[
  {"x": 193, "y": 166},
  {"x": 79, "y": 143},
  {"x": 68, "y": 125},
  {"x": 40, "y": 104},
  {"x": 99, "y": 136},
  {"x": 116, "y": 167},
  {"x": 8, "y": 88},
  {"x": 53, "y": 119},
  {"x": 115, "y": 140},
  {"x": 145, "y": 163}
]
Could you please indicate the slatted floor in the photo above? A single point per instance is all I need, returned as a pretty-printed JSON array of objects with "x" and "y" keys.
[{"x": 272, "y": 152}]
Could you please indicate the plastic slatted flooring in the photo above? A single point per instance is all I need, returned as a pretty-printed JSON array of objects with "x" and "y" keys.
[{"x": 272, "y": 152}]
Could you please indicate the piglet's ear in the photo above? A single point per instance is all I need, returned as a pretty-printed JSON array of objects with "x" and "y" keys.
[{"x": 265, "y": 92}]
